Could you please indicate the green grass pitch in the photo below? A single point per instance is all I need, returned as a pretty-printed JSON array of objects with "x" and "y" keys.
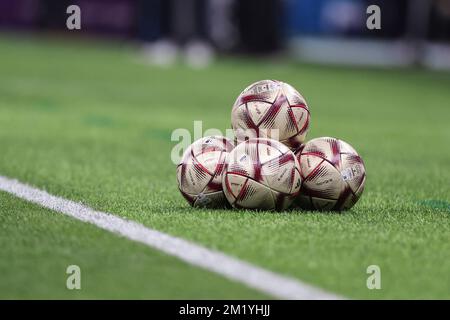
[{"x": 91, "y": 123}]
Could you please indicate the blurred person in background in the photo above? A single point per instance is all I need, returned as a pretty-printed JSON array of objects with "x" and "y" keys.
[
  {"x": 168, "y": 26},
  {"x": 198, "y": 28}
]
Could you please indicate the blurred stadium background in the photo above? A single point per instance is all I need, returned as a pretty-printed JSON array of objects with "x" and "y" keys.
[
  {"x": 414, "y": 32},
  {"x": 89, "y": 115}
]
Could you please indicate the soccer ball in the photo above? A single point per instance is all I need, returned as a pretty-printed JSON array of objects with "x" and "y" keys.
[
  {"x": 333, "y": 175},
  {"x": 271, "y": 109},
  {"x": 261, "y": 174},
  {"x": 199, "y": 173}
]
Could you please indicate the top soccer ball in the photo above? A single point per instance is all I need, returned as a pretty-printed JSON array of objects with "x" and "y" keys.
[
  {"x": 333, "y": 175},
  {"x": 271, "y": 109},
  {"x": 199, "y": 173}
]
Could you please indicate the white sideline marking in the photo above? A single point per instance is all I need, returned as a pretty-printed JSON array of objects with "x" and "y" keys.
[{"x": 276, "y": 285}]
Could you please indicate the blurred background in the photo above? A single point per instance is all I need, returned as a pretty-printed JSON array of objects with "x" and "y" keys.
[{"x": 413, "y": 32}]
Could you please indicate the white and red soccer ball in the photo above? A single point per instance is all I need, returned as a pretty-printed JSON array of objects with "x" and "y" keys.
[
  {"x": 333, "y": 175},
  {"x": 199, "y": 173},
  {"x": 271, "y": 109},
  {"x": 261, "y": 174}
]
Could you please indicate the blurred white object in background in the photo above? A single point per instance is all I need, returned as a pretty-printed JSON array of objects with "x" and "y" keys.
[
  {"x": 437, "y": 56},
  {"x": 198, "y": 54},
  {"x": 343, "y": 16},
  {"x": 221, "y": 25},
  {"x": 160, "y": 53},
  {"x": 347, "y": 51}
]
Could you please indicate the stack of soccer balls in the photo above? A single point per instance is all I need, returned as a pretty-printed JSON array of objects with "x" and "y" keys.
[{"x": 271, "y": 168}]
